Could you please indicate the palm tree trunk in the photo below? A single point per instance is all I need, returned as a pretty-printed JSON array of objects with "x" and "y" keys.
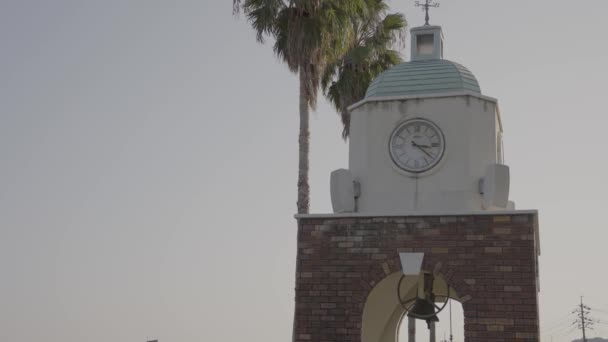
[{"x": 303, "y": 147}]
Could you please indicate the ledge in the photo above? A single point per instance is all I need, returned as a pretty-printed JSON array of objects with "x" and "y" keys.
[
  {"x": 419, "y": 214},
  {"x": 416, "y": 97}
]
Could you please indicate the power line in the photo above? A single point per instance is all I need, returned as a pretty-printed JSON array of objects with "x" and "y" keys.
[
  {"x": 599, "y": 310},
  {"x": 558, "y": 324},
  {"x": 562, "y": 331},
  {"x": 598, "y": 302}
]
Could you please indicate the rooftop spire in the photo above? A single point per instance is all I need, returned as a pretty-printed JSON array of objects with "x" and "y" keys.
[{"x": 425, "y": 7}]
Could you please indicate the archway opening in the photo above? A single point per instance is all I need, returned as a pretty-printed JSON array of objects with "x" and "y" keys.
[{"x": 384, "y": 317}]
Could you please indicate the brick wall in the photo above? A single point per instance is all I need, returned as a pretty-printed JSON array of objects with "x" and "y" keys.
[{"x": 490, "y": 260}]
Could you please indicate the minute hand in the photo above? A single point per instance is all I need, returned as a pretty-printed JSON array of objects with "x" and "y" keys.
[{"x": 420, "y": 147}]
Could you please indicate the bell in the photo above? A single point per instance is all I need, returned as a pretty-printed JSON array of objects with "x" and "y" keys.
[{"x": 423, "y": 308}]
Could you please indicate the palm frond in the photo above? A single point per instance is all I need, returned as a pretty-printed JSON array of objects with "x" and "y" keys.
[
  {"x": 262, "y": 14},
  {"x": 345, "y": 80}
]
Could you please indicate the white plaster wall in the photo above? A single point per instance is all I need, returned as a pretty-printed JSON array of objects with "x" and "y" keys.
[{"x": 470, "y": 126}]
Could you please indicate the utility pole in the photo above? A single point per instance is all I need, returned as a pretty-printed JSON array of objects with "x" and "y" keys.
[
  {"x": 411, "y": 329},
  {"x": 451, "y": 335},
  {"x": 583, "y": 321}
]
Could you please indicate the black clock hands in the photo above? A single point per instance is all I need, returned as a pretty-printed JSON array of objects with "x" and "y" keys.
[
  {"x": 422, "y": 148},
  {"x": 416, "y": 145}
]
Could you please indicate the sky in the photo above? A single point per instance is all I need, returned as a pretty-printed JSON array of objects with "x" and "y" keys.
[{"x": 148, "y": 158}]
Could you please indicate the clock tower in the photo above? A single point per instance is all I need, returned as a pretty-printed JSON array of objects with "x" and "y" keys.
[{"x": 421, "y": 214}]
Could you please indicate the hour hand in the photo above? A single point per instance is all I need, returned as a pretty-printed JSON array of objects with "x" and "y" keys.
[
  {"x": 418, "y": 145},
  {"x": 423, "y": 146}
]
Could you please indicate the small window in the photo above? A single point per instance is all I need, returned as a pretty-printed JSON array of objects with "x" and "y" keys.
[{"x": 425, "y": 44}]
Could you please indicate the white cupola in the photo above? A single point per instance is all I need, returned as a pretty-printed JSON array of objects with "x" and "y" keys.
[{"x": 424, "y": 140}]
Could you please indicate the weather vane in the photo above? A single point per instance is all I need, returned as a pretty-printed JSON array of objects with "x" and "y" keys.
[{"x": 425, "y": 7}]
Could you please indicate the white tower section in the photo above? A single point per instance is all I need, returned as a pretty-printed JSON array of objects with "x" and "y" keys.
[{"x": 397, "y": 166}]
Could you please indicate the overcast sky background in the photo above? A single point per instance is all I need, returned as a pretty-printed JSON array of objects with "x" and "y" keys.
[{"x": 148, "y": 163}]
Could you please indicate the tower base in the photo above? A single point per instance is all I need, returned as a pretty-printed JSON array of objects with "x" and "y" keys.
[{"x": 344, "y": 264}]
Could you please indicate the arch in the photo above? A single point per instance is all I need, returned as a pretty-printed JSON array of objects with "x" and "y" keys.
[
  {"x": 383, "y": 314},
  {"x": 430, "y": 264}
]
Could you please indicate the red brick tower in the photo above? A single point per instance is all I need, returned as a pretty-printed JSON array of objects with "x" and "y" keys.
[{"x": 426, "y": 177}]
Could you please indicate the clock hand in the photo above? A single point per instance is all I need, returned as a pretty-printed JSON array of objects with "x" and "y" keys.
[
  {"x": 420, "y": 147},
  {"x": 424, "y": 146}
]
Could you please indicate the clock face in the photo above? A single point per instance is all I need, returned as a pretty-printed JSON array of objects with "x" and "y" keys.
[{"x": 416, "y": 145}]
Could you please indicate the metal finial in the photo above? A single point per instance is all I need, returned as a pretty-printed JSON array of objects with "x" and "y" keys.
[{"x": 425, "y": 7}]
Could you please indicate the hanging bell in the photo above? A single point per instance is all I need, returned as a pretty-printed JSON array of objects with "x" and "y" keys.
[{"x": 423, "y": 308}]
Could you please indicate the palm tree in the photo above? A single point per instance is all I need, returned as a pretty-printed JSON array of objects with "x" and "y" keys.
[
  {"x": 308, "y": 35},
  {"x": 345, "y": 81}
]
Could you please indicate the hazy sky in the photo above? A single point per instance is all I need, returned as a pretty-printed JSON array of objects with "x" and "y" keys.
[{"x": 148, "y": 163}]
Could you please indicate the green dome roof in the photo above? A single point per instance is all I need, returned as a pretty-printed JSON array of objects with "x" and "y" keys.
[{"x": 423, "y": 77}]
